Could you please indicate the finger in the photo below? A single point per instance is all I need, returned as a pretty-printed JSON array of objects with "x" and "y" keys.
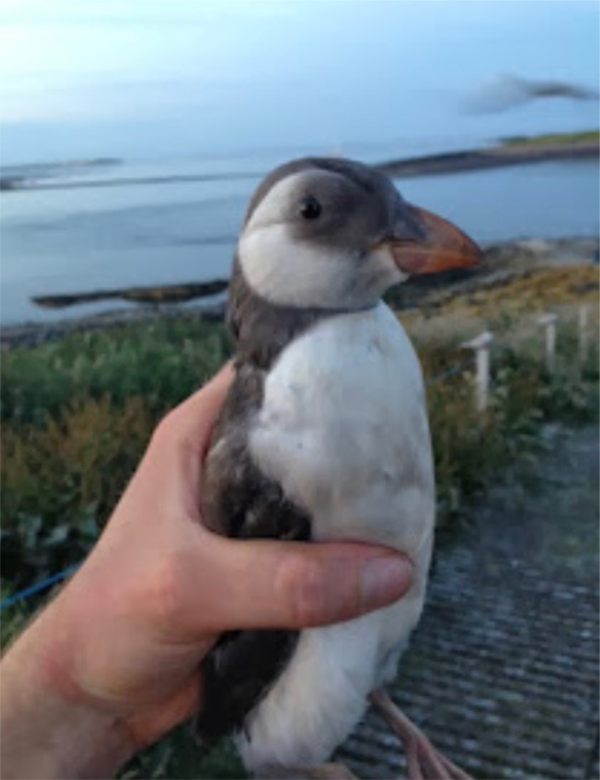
[{"x": 263, "y": 584}]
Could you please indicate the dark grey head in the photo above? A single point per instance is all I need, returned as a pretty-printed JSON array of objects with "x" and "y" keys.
[{"x": 335, "y": 234}]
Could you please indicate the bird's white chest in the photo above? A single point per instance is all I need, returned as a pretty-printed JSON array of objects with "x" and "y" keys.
[{"x": 343, "y": 428}]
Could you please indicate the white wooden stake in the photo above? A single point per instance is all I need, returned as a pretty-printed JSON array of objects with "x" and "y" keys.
[
  {"x": 481, "y": 345},
  {"x": 548, "y": 322},
  {"x": 582, "y": 319}
]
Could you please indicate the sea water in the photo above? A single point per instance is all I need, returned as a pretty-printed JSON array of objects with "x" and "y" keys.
[{"x": 77, "y": 229}]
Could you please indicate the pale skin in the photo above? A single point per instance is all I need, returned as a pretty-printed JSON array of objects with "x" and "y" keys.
[{"x": 115, "y": 661}]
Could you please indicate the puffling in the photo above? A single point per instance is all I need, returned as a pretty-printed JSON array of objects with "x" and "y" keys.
[{"x": 324, "y": 435}]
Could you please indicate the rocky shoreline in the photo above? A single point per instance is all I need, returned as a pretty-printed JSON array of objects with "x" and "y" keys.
[{"x": 501, "y": 261}]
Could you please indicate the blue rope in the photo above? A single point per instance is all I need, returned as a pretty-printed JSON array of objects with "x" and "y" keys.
[{"x": 39, "y": 586}]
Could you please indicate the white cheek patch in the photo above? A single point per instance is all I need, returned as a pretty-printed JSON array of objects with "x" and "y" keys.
[
  {"x": 282, "y": 270},
  {"x": 287, "y": 272},
  {"x": 291, "y": 273}
]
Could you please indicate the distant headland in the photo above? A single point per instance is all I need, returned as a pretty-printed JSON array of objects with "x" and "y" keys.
[
  {"x": 16, "y": 177},
  {"x": 517, "y": 150}
]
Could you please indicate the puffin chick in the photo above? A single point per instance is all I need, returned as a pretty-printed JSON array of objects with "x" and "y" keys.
[{"x": 324, "y": 435}]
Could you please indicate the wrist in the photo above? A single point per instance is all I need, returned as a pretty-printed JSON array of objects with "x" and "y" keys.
[{"x": 49, "y": 727}]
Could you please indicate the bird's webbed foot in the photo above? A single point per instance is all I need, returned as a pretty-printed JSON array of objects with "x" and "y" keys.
[{"x": 424, "y": 761}]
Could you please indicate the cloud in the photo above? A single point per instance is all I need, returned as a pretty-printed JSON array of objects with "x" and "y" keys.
[{"x": 507, "y": 91}]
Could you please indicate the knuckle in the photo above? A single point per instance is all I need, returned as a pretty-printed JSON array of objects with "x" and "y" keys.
[
  {"x": 305, "y": 584},
  {"x": 165, "y": 592}
]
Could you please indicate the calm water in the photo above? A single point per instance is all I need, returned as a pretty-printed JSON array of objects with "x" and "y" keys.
[{"x": 79, "y": 239}]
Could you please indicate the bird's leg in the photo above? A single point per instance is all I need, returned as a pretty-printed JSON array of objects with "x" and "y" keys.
[{"x": 424, "y": 762}]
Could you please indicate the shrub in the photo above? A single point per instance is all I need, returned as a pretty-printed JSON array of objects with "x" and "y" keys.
[{"x": 162, "y": 361}]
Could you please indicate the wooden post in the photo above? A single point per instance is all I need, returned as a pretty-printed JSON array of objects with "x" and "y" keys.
[
  {"x": 582, "y": 320},
  {"x": 481, "y": 345},
  {"x": 548, "y": 322}
]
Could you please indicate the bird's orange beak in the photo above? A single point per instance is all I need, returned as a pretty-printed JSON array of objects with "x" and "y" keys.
[{"x": 423, "y": 243}]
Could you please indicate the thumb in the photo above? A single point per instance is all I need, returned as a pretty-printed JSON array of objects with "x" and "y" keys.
[{"x": 265, "y": 584}]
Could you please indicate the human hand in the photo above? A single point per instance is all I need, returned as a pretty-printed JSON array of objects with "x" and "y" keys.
[{"x": 120, "y": 649}]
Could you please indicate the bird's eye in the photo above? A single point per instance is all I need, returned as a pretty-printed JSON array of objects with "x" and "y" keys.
[{"x": 310, "y": 208}]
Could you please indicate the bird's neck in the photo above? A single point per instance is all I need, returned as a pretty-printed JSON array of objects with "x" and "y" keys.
[{"x": 263, "y": 329}]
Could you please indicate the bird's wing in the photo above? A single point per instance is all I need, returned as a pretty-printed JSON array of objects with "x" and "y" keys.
[{"x": 240, "y": 502}]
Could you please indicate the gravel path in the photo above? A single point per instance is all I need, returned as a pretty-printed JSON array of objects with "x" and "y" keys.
[{"x": 502, "y": 672}]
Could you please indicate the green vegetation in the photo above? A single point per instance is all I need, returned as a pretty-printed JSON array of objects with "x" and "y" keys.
[
  {"x": 472, "y": 449},
  {"x": 584, "y": 137},
  {"x": 76, "y": 417},
  {"x": 77, "y": 414}
]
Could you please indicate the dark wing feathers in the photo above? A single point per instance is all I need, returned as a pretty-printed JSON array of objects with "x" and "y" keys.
[
  {"x": 238, "y": 673},
  {"x": 240, "y": 502}
]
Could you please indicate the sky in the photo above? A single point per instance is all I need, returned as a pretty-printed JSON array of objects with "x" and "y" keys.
[{"x": 177, "y": 78}]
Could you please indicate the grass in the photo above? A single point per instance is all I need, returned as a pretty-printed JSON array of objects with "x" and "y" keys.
[
  {"x": 517, "y": 296},
  {"x": 529, "y": 292},
  {"x": 77, "y": 414},
  {"x": 585, "y": 136},
  {"x": 470, "y": 449}
]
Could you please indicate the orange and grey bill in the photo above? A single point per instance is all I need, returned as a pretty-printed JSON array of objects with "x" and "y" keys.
[{"x": 441, "y": 246}]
